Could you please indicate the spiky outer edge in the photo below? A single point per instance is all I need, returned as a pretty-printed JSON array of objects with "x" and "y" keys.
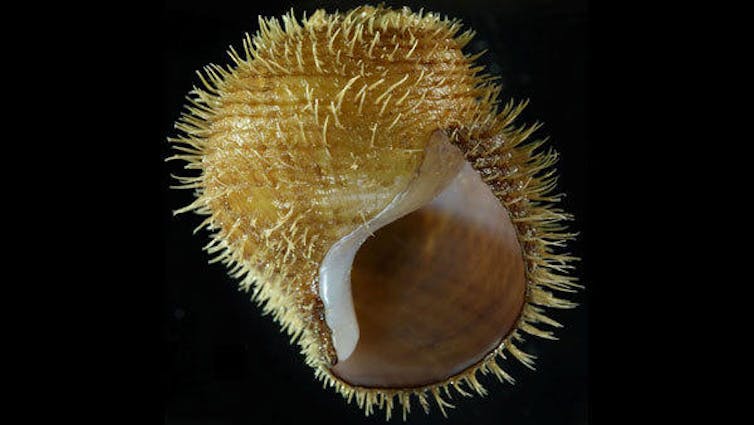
[
  {"x": 526, "y": 195},
  {"x": 492, "y": 144}
]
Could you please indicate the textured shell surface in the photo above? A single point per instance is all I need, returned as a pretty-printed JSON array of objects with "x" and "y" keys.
[{"x": 317, "y": 126}]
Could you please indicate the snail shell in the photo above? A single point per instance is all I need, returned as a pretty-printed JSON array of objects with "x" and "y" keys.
[{"x": 359, "y": 178}]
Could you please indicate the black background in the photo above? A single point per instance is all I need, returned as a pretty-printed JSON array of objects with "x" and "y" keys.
[{"x": 223, "y": 363}]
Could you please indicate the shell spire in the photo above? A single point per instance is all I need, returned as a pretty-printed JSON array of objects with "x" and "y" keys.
[{"x": 318, "y": 128}]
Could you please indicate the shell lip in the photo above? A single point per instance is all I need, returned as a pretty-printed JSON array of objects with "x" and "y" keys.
[
  {"x": 442, "y": 162},
  {"x": 450, "y": 379},
  {"x": 483, "y": 357}
]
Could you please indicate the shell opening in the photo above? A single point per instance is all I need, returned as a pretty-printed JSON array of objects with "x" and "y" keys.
[{"x": 430, "y": 285}]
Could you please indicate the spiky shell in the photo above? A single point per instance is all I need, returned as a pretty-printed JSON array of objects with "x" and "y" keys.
[{"x": 317, "y": 126}]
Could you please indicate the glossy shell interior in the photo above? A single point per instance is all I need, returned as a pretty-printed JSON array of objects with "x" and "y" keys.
[{"x": 424, "y": 314}]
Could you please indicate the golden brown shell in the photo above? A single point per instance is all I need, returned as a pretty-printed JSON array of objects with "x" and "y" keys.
[{"x": 317, "y": 126}]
